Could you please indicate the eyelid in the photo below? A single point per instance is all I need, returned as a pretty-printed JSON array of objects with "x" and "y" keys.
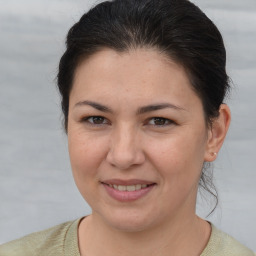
[
  {"x": 170, "y": 122},
  {"x": 167, "y": 121},
  {"x": 86, "y": 120}
]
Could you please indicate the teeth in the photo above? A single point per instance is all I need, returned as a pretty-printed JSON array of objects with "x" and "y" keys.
[
  {"x": 121, "y": 188},
  {"x": 138, "y": 186},
  {"x": 128, "y": 188},
  {"x": 131, "y": 188}
]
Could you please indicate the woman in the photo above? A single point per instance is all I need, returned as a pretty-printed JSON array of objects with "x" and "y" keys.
[{"x": 142, "y": 86}]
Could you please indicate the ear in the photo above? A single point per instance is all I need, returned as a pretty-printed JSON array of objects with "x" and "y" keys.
[{"x": 217, "y": 133}]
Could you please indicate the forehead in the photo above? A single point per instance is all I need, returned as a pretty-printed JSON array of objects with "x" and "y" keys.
[{"x": 141, "y": 74}]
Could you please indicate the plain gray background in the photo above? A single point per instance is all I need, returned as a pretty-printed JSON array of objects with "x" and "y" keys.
[{"x": 36, "y": 186}]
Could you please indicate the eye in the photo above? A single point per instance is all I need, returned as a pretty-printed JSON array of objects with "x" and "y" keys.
[
  {"x": 160, "y": 121},
  {"x": 95, "y": 120}
]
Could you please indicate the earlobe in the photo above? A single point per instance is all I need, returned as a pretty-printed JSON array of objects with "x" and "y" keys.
[{"x": 217, "y": 133}]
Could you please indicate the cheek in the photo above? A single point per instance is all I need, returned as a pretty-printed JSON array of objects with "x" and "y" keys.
[
  {"x": 179, "y": 155},
  {"x": 86, "y": 153}
]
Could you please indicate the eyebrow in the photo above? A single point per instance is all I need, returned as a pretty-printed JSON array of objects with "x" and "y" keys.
[
  {"x": 155, "y": 107},
  {"x": 94, "y": 105},
  {"x": 140, "y": 111}
]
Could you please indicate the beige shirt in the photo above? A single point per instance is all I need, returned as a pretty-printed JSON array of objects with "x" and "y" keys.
[{"x": 62, "y": 240}]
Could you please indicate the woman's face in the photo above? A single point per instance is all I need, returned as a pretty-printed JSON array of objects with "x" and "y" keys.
[{"x": 137, "y": 138}]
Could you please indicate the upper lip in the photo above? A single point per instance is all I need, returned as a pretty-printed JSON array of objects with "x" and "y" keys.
[{"x": 127, "y": 182}]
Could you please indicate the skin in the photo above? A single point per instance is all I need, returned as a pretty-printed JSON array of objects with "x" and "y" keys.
[{"x": 124, "y": 144}]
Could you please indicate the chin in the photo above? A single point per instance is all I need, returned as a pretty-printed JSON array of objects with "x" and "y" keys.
[{"x": 129, "y": 221}]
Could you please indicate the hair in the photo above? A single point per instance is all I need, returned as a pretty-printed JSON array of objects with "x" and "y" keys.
[{"x": 176, "y": 28}]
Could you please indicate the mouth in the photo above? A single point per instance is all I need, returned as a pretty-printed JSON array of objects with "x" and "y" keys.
[{"x": 129, "y": 188}]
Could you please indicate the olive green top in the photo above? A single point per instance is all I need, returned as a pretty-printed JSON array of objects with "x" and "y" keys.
[{"x": 62, "y": 240}]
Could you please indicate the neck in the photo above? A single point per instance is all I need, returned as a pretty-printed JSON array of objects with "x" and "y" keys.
[{"x": 182, "y": 236}]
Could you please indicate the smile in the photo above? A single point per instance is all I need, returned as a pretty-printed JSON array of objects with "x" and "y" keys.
[
  {"x": 125, "y": 191},
  {"x": 128, "y": 188}
]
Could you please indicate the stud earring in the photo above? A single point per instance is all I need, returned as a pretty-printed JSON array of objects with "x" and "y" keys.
[{"x": 214, "y": 154}]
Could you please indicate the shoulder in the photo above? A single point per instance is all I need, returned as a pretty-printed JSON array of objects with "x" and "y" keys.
[
  {"x": 222, "y": 244},
  {"x": 47, "y": 242}
]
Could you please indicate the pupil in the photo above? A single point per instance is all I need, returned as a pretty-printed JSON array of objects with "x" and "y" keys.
[
  {"x": 159, "y": 121},
  {"x": 97, "y": 120}
]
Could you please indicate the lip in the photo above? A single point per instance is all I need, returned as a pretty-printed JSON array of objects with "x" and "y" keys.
[
  {"x": 127, "y": 182},
  {"x": 127, "y": 196}
]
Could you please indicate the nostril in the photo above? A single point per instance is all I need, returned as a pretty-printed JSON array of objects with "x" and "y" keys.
[{"x": 124, "y": 159}]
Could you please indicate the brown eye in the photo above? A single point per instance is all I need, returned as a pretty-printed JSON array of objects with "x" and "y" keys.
[
  {"x": 160, "y": 121},
  {"x": 96, "y": 120}
]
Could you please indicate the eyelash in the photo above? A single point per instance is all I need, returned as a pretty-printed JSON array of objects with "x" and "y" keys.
[
  {"x": 166, "y": 121},
  {"x": 86, "y": 120}
]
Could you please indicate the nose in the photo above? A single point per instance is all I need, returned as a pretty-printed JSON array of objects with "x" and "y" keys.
[{"x": 125, "y": 149}]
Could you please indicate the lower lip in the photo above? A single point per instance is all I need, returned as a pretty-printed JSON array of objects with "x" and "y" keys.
[{"x": 127, "y": 196}]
